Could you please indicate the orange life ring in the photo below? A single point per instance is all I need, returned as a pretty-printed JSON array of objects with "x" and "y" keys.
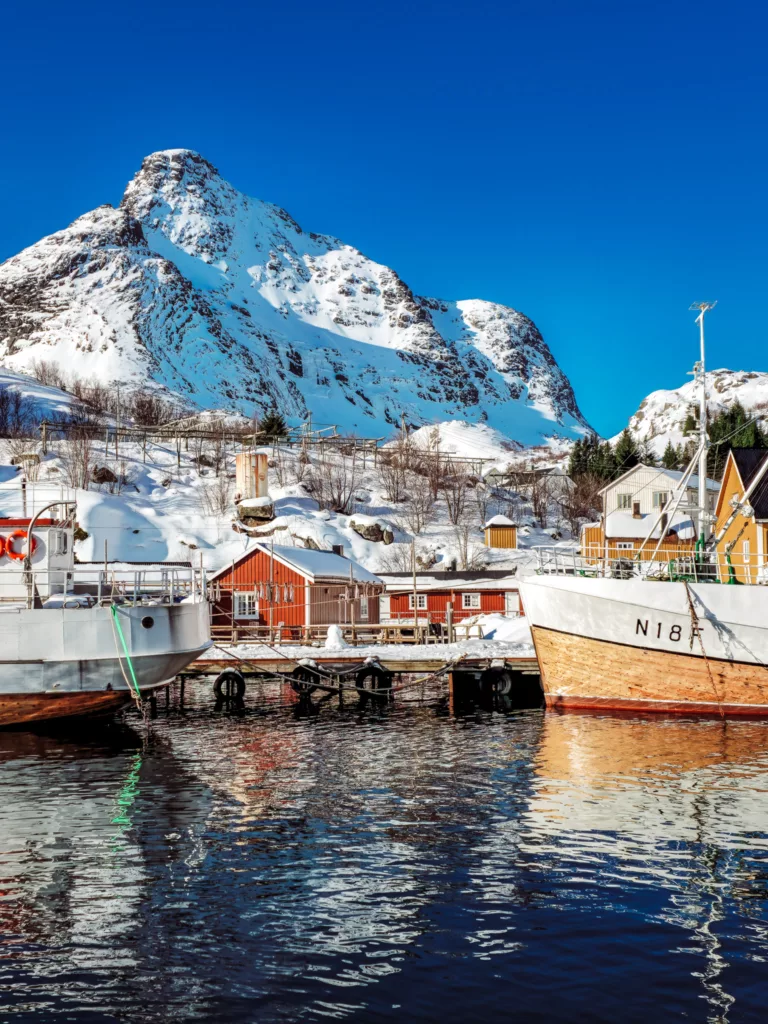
[
  {"x": 2, "y": 545},
  {"x": 18, "y": 556}
]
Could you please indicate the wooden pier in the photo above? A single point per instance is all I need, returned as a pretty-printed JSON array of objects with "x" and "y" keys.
[{"x": 370, "y": 671}]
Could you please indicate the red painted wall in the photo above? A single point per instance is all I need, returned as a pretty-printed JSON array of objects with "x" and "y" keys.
[
  {"x": 490, "y": 601},
  {"x": 255, "y": 569}
]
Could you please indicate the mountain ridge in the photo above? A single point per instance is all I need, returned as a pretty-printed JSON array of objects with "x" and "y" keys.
[{"x": 227, "y": 301}]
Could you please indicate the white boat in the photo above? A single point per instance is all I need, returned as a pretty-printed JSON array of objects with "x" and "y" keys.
[
  {"x": 642, "y": 633},
  {"x": 87, "y": 639}
]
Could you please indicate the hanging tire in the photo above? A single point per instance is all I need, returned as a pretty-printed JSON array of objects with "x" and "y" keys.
[
  {"x": 228, "y": 684},
  {"x": 494, "y": 680},
  {"x": 373, "y": 678},
  {"x": 303, "y": 680}
]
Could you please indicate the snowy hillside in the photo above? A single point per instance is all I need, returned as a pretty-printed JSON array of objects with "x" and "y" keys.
[
  {"x": 226, "y": 300},
  {"x": 661, "y": 415},
  {"x": 40, "y": 401}
]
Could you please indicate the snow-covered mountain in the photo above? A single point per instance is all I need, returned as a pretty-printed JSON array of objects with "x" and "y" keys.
[
  {"x": 227, "y": 301},
  {"x": 661, "y": 415}
]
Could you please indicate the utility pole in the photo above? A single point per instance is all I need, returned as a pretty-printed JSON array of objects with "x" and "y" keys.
[{"x": 705, "y": 518}]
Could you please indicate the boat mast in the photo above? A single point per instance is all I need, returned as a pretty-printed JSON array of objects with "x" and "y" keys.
[{"x": 701, "y": 376}]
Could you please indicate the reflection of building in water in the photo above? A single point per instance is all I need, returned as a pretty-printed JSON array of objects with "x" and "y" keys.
[{"x": 666, "y": 803}]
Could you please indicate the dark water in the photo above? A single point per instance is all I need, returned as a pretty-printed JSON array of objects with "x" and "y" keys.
[{"x": 416, "y": 862}]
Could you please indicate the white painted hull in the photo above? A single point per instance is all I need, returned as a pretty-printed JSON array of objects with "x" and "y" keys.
[
  {"x": 635, "y": 643},
  {"x": 75, "y": 658}
]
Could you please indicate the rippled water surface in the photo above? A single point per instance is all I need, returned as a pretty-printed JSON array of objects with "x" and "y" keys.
[{"x": 417, "y": 861}]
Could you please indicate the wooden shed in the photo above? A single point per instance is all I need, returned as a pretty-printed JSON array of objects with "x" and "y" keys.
[
  {"x": 500, "y": 532},
  {"x": 294, "y": 587}
]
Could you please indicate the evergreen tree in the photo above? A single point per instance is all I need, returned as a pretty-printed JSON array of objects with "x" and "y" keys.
[
  {"x": 626, "y": 452},
  {"x": 272, "y": 425},
  {"x": 732, "y": 428},
  {"x": 670, "y": 459},
  {"x": 691, "y": 424},
  {"x": 647, "y": 453}
]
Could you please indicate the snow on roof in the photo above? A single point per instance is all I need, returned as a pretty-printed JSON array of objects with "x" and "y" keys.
[
  {"x": 675, "y": 475},
  {"x": 621, "y": 524},
  {"x": 310, "y": 563},
  {"x": 498, "y": 521},
  {"x": 441, "y": 581}
]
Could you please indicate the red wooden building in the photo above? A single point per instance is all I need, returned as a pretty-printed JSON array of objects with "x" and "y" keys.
[
  {"x": 294, "y": 587},
  {"x": 468, "y": 593}
]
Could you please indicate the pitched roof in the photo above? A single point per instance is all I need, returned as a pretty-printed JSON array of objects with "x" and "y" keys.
[
  {"x": 748, "y": 462},
  {"x": 498, "y": 521},
  {"x": 674, "y": 475},
  {"x": 311, "y": 564}
]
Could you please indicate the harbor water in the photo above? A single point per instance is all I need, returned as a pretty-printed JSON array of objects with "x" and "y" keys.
[{"x": 418, "y": 860}]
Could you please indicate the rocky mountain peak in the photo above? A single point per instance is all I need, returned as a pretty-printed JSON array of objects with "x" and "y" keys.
[{"x": 226, "y": 299}]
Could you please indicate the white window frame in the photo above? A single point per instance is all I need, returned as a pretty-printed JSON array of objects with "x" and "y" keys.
[
  {"x": 363, "y": 609},
  {"x": 421, "y": 602},
  {"x": 657, "y": 498},
  {"x": 249, "y": 598},
  {"x": 470, "y": 601},
  {"x": 625, "y": 545},
  {"x": 746, "y": 552},
  {"x": 624, "y": 501}
]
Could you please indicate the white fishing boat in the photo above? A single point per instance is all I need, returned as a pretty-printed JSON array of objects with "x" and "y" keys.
[
  {"x": 79, "y": 639},
  {"x": 646, "y": 632}
]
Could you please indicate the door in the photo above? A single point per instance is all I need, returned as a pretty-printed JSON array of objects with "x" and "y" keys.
[
  {"x": 384, "y": 609},
  {"x": 512, "y": 602}
]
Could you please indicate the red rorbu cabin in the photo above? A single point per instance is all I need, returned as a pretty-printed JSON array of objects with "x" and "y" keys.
[
  {"x": 292, "y": 588},
  {"x": 481, "y": 592}
]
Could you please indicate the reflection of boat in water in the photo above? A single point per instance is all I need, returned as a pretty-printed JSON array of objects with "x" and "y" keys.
[
  {"x": 657, "y": 805},
  {"x": 78, "y": 639}
]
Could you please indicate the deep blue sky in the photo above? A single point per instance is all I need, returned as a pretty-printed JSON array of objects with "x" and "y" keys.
[{"x": 598, "y": 165}]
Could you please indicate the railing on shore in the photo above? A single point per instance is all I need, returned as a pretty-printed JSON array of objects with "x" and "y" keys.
[
  {"x": 357, "y": 635},
  {"x": 698, "y": 567}
]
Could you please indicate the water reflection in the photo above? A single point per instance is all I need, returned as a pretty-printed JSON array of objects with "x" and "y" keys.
[{"x": 412, "y": 860}]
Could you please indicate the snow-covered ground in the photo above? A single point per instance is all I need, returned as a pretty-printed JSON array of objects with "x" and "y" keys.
[{"x": 166, "y": 511}]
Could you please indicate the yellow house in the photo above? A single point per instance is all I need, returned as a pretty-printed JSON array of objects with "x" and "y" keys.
[
  {"x": 500, "y": 532},
  {"x": 744, "y": 545}
]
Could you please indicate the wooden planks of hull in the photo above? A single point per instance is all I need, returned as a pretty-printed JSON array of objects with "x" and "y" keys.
[
  {"x": 580, "y": 672},
  {"x": 26, "y": 708}
]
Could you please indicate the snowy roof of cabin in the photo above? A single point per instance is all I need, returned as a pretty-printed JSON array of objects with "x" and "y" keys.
[
  {"x": 498, "y": 521},
  {"x": 312, "y": 564},
  {"x": 489, "y": 579},
  {"x": 674, "y": 475},
  {"x": 621, "y": 524}
]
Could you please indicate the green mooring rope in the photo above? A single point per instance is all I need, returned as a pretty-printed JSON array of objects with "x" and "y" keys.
[{"x": 125, "y": 650}]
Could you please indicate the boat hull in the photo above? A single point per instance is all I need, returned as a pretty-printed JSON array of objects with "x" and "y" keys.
[
  {"x": 61, "y": 663},
  {"x": 638, "y": 645}
]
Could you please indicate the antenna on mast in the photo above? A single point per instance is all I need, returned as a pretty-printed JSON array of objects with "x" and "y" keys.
[{"x": 700, "y": 374}]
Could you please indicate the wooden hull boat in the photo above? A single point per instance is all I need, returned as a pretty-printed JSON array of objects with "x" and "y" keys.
[{"x": 648, "y": 645}]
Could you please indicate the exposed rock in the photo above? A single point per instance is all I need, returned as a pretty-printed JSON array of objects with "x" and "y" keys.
[
  {"x": 103, "y": 475},
  {"x": 374, "y": 532}
]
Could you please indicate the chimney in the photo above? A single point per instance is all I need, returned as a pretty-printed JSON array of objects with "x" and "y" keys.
[
  {"x": 636, "y": 510},
  {"x": 664, "y": 524}
]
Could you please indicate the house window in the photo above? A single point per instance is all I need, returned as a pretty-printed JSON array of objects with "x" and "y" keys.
[
  {"x": 624, "y": 501},
  {"x": 660, "y": 498},
  {"x": 246, "y": 605},
  {"x": 746, "y": 552},
  {"x": 421, "y": 602},
  {"x": 363, "y": 609},
  {"x": 470, "y": 600},
  {"x": 625, "y": 545}
]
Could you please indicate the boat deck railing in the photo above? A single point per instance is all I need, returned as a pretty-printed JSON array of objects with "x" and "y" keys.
[
  {"x": 80, "y": 586},
  {"x": 742, "y": 567}
]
